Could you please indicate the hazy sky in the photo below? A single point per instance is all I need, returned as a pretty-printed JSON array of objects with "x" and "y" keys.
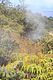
[{"x": 43, "y": 6}]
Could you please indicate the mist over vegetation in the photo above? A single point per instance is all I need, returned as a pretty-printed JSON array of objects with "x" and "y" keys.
[
  {"x": 38, "y": 25},
  {"x": 26, "y": 43}
]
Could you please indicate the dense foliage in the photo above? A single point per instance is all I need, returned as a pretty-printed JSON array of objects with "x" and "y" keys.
[
  {"x": 24, "y": 56},
  {"x": 47, "y": 44},
  {"x": 26, "y": 67}
]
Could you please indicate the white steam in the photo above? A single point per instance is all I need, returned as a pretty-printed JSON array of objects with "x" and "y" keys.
[{"x": 38, "y": 24}]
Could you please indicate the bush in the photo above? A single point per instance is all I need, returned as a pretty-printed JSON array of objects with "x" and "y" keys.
[
  {"x": 12, "y": 75},
  {"x": 26, "y": 70},
  {"x": 47, "y": 44}
]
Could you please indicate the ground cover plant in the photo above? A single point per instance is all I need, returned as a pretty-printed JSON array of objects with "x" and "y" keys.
[{"x": 28, "y": 67}]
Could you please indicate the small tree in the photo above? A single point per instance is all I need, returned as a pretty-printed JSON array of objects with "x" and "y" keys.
[
  {"x": 7, "y": 2},
  {"x": 22, "y": 4}
]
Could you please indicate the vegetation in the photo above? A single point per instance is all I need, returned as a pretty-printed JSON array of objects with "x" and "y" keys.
[
  {"x": 28, "y": 67},
  {"x": 24, "y": 56},
  {"x": 47, "y": 44}
]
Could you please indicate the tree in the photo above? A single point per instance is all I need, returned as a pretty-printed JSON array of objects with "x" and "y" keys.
[
  {"x": 22, "y": 4},
  {"x": 5, "y": 2}
]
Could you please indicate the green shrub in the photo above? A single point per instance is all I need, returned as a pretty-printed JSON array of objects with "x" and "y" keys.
[{"x": 47, "y": 44}]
